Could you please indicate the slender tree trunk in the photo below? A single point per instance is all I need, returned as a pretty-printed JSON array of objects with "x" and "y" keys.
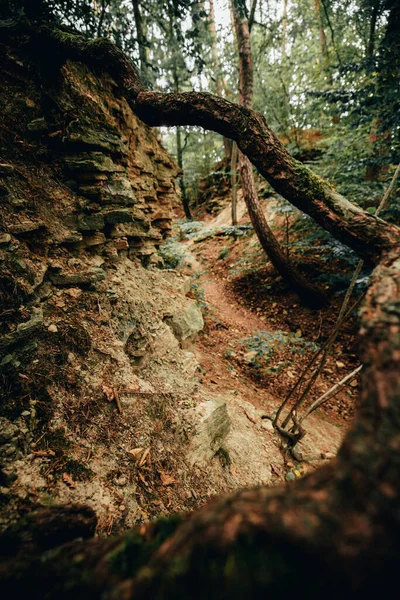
[
  {"x": 372, "y": 29},
  {"x": 286, "y": 105},
  {"x": 179, "y": 148},
  {"x": 306, "y": 291},
  {"x": 284, "y": 36},
  {"x": 179, "y": 153},
  {"x": 101, "y": 19},
  {"x": 234, "y": 160},
  {"x": 322, "y": 40},
  {"x": 142, "y": 42},
  {"x": 219, "y": 82}
]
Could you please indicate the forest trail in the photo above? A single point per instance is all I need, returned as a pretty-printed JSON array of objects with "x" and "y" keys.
[{"x": 228, "y": 320}]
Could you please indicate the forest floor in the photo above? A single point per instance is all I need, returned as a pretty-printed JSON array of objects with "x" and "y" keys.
[{"x": 258, "y": 337}]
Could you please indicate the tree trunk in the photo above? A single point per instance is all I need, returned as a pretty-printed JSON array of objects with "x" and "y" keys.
[
  {"x": 219, "y": 81},
  {"x": 234, "y": 160},
  {"x": 142, "y": 42},
  {"x": 179, "y": 153},
  {"x": 333, "y": 533},
  {"x": 308, "y": 293},
  {"x": 322, "y": 40},
  {"x": 179, "y": 148},
  {"x": 372, "y": 29}
]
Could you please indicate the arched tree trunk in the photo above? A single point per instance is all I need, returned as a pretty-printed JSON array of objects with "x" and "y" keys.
[
  {"x": 308, "y": 293},
  {"x": 332, "y": 534}
]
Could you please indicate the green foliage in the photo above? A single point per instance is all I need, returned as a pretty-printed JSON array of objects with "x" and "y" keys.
[
  {"x": 198, "y": 293},
  {"x": 261, "y": 348},
  {"x": 224, "y": 253},
  {"x": 172, "y": 253}
]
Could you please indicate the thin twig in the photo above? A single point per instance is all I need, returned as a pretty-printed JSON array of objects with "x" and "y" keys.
[{"x": 322, "y": 399}]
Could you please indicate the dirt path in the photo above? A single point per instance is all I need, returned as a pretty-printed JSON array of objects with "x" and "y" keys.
[{"x": 228, "y": 320}]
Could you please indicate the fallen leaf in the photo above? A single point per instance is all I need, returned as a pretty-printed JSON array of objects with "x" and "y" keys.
[
  {"x": 73, "y": 292},
  {"x": 136, "y": 452},
  {"x": 48, "y": 452},
  {"x": 167, "y": 479},
  {"x": 144, "y": 457},
  {"x": 109, "y": 393},
  {"x": 68, "y": 480},
  {"x": 55, "y": 133}
]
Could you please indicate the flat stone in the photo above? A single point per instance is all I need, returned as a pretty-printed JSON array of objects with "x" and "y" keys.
[
  {"x": 93, "y": 222},
  {"x": 5, "y": 238},
  {"x": 88, "y": 162},
  {"x": 96, "y": 239},
  {"x": 119, "y": 191},
  {"x": 23, "y": 332},
  {"x": 212, "y": 427},
  {"x": 130, "y": 230},
  {"x": 121, "y": 244},
  {"x": 106, "y": 138},
  {"x": 121, "y": 215},
  {"x": 77, "y": 279},
  {"x": 25, "y": 227}
]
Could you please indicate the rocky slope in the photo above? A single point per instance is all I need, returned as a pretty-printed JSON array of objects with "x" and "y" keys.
[{"x": 86, "y": 196}]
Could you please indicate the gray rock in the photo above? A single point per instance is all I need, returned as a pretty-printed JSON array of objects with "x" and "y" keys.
[
  {"x": 23, "y": 332},
  {"x": 120, "y": 215},
  {"x": 76, "y": 279},
  {"x": 91, "y": 162},
  {"x": 211, "y": 429},
  {"x": 93, "y": 222},
  {"x": 25, "y": 227},
  {"x": 119, "y": 191},
  {"x": 83, "y": 133},
  {"x": 188, "y": 323},
  {"x": 8, "y": 430}
]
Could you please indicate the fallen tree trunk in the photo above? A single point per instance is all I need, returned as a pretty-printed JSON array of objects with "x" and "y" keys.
[{"x": 333, "y": 532}]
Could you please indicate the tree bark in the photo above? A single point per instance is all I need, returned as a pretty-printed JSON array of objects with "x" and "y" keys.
[
  {"x": 234, "y": 160},
  {"x": 219, "y": 82},
  {"x": 179, "y": 155},
  {"x": 322, "y": 40},
  {"x": 308, "y": 293},
  {"x": 372, "y": 29},
  {"x": 333, "y": 533},
  {"x": 141, "y": 41}
]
